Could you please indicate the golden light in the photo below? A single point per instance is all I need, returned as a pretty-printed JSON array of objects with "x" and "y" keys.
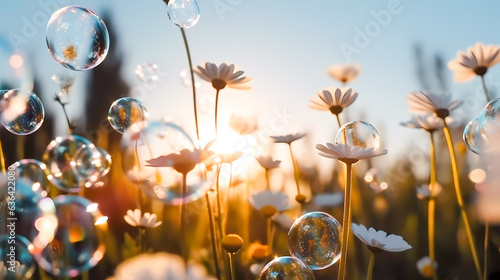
[
  {"x": 102, "y": 220},
  {"x": 384, "y": 185},
  {"x": 477, "y": 175},
  {"x": 36, "y": 186},
  {"x": 92, "y": 207},
  {"x": 16, "y": 61},
  {"x": 368, "y": 178}
]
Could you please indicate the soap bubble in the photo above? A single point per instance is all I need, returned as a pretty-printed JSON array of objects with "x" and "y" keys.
[
  {"x": 59, "y": 157},
  {"x": 472, "y": 135},
  {"x": 77, "y": 38},
  {"x": 92, "y": 164},
  {"x": 23, "y": 262},
  {"x": 126, "y": 111},
  {"x": 358, "y": 134},
  {"x": 22, "y": 113},
  {"x": 35, "y": 171},
  {"x": 34, "y": 213},
  {"x": 183, "y": 13},
  {"x": 79, "y": 241},
  {"x": 315, "y": 239},
  {"x": 286, "y": 268},
  {"x": 164, "y": 183},
  {"x": 147, "y": 72}
]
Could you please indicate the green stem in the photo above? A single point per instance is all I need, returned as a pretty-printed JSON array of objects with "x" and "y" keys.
[
  {"x": 295, "y": 172},
  {"x": 192, "y": 82},
  {"x": 371, "y": 264},
  {"x": 432, "y": 204},
  {"x": 456, "y": 181},
  {"x": 212, "y": 235},
  {"x": 346, "y": 219},
  {"x": 231, "y": 266},
  {"x": 485, "y": 90},
  {"x": 216, "y": 110},
  {"x": 486, "y": 236}
]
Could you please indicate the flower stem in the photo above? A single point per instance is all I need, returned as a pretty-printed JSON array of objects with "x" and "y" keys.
[
  {"x": 270, "y": 235},
  {"x": 371, "y": 264},
  {"x": 219, "y": 207},
  {"x": 216, "y": 110},
  {"x": 338, "y": 120},
  {"x": 184, "y": 247},
  {"x": 432, "y": 204},
  {"x": 63, "y": 105},
  {"x": 346, "y": 219},
  {"x": 2, "y": 159},
  {"x": 485, "y": 90},
  {"x": 231, "y": 266},
  {"x": 212, "y": 235},
  {"x": 295, "y": 171},
  {"x": 486, "y": 236},
  {"x": 267, "y": 179},
  {"x": 142, "y": 233},
  {"x": 192, "y": 82},
  {"x": 458, "y": 191}
]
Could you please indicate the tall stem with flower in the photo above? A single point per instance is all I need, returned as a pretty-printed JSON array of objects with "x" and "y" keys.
[{"x": 431, "y": 209}]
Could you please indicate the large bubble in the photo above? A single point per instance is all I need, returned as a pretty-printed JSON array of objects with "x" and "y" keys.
[
  {"x": 126, "y": 111},
  {"x": 35, "y": 171},
  {"x": 92, "y": 164},
  {"x": 60, "y": 159},
  {"x": 315, "y": 239},
  {"x": 358, "y": 134},
  {"x": 79, "y": 241},
  {"x": 77, "y": 38},
  {"x": 22, "y": 113},
  {"x": 172, "y": 149},
  {"x": 183, "y": 13},
  {"x": 286, "y": 268}
]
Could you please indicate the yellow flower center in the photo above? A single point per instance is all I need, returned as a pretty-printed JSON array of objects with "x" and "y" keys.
[
  {"x": 427, "y": 271},
  {"x": 70, "y": 52},
  {"x": 219, "y": 84},
  {"x": 268, "y": 210}
]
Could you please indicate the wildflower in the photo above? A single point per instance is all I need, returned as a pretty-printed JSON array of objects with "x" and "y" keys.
[
  {"x": 222, "y": 76},
  {"x": 348, "y": 154},
  {"x": 267, "y": 162},
  {"x": 183, "y": 162},
  {"x": 379, "y": 240},
  {"x": 476, "y": 61},
  {"x": 344, "y": 72},
  {"x": 269, "y": 202},
  {"x": 426, "y": 267},
  {"x": 135, "y": 219},
  {"x": 288, "y": 139},
  {"x": 334, "y": 100},
  {"x": 427, "y": 102},
  {"x": 232, "y": 243}
]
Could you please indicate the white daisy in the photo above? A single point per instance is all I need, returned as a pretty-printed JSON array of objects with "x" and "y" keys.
[
  {"x": 425, "y": 267},
  {"x": 379, "y": 240},
  {"x": 329, "y": 199},
  {"x": 242, "y": 125},
  {"x": 347, "y": 153},
  {"x": 269, "y": 202},
  {"x": 333, "y": 100},
  {"x": 135, "y": 219},
  {"x": 222, "y": 76},
  {"x": 476, "y": 61},
  {"x": 288, "y": 139},
  {"x": 183, "y": 162},
  {"x": 267, "y": 162},
  {"x": 424, "y": 191},
  {"x": 427, "y": 102},
  {"x": 344, "y": 72},
  {"x": 428, "y": 122}
]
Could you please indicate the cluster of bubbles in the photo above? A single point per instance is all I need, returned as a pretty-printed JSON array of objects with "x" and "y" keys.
[
  {"x": 183, "y": 13},
  {"x": 22, "y": 112},
  {"x": 484, "y": 129},
  {"x": 358, "y": 134},
  {"x": 147, "y": 72},
  {"x": 77, "y": 38}
]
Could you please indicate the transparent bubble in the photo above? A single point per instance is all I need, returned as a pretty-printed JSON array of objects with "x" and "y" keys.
[
  {"x": 34, "y": 213},
  {"x": 491, "y": 111},
  {"x": 358, "y": 134},
  {"x": 472, "y": 135},
  {"x": 126, "y": 111},
  {"x": 92, "y": 164},
  {"x": 147, "y": 72},
  {"x": 183, "y": 13},
  {"x": 165, "y": 183},
  {"x": 315, "y": 238},
  {"x": 59, "y": 157},
  {"x": 79, "y": 241},
  {"x": 22, "y": 112},
  {"x": 286, "y": 268},
  {"x": 77, "y": 38},
  {"x": 35, "y": 171},
  {"x": 23, "y": 262}
]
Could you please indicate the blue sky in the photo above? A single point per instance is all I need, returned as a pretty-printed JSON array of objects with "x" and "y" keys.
[{"x": 286, "y": 47}]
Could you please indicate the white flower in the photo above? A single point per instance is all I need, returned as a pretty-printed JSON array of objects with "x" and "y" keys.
[
  {"x": 159, "y": 266},
  {"x": 347, "y": 153},
  {"x": 476, "y": 61},
  {"x": 424, "y": 191},
  {"x": 242, "y": 125},
  {"x": 223, "y": 158},
  {"x": 344, "y": 72},
  {"x": 333, "y": 100},
  {"x": 288, "y": 139},
  {"x": 431, "y": 103},
  {"x": 379, "y": 240},
  {"x": 426, "y": 267},
  {"x": 222, "y": 76},
  {"x": 269, "y": 202},
  {"x": 283, "y": 220},
  {"x": 267, "y": 162},
  {"x": 328, "y": 199},
  {"x": 183, "y": 162},
  {"x": 428, "y": 122},
  {"x": 135, "y": 219}
]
